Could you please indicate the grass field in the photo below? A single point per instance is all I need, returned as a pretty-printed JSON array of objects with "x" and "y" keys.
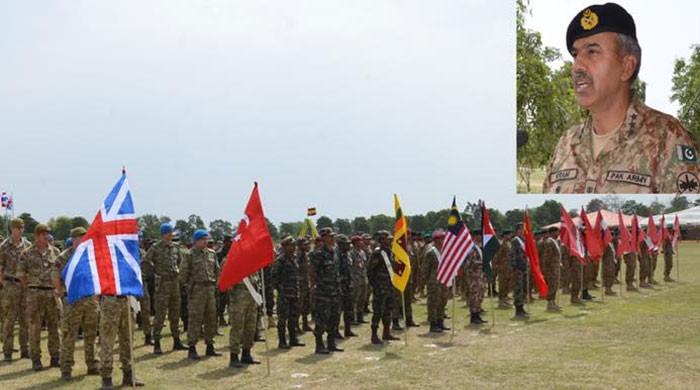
[
  {"x": 536, "y": 180},
  {"x": 647, "y": 340}
]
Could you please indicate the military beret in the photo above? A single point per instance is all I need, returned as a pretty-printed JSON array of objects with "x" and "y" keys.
[
  {"x": 326, "y": 231},
  {"x": 366, "y": 236},
  {"x": 16, "y": 223},
  {"x": 437, "y": 234},
  {"x": 355, "y": 238},
  {"x": 599, "y": 18},
  {"x": 166, "y": 228},
  {"x": 382, "y": 233},
  {"x": 553, "y": 229},
  {"x": 41, "y": 228},
  {"x": 342, "y": 238},
  {"x": 507, "y": 231},
  {"x": 68, "y": 242},
  {"x": 427, "y": 235},
  {"x": 476, "y": 232},
  {"x": 199, "y": 234},
  {"x": 77, "y": 232},
  {"x": 287, "y": 240},
  {"x": 519, "y": 225}
]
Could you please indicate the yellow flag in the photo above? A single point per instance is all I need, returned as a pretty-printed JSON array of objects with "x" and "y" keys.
[
  {"x": 399, "y": 248},
  {"x": 308, "y": 227}
]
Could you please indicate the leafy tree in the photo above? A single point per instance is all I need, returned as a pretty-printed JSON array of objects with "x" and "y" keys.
[
  {"x": 60, "y": 227},
  {"x": 678, "y": 203},
  {"x": 360, "y": 224},
  {"x": 196, "y": 222},
  {"x": 274, "y": 233},
  {"x": 324, "y": 222},
  {"x": 342, "y": 226},
  {"x": 185, "y": 229},
  {"x": 29, "y": 224},
  {"x": 418, "y": 223},
  {"x": 149, "y": 224},
  {"x": 686, "y": 90},
  {"x": 656, "y": 207},
  {"x": 381, "y": 222},
  {"x": 219, "y": 228},
  {"x": 613, "y": 202},
  {"x": 595, "y": 204},
  {"x": 632, "y": 206},
  {"x": 514, "y": 217},
  {"x": 290, "y": 228},
  {"x": 547, "y": 213}
]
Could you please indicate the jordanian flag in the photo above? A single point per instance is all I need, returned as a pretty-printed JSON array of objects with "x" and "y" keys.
[{"x": 489, "y": 240}]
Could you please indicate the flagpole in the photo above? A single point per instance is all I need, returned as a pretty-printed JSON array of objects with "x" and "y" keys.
[
  {"x": 493, "y": 309},
  {"x": 403, "y": 304},
  {"x": 678, "y": 262},
  {"x": 131, "y": 343},
  {"x": 264, "y": 322},
  {"x": 454, "y": 300}
]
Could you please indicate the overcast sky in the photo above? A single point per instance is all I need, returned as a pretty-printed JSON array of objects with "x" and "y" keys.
[{"x": 331, "y": 104}]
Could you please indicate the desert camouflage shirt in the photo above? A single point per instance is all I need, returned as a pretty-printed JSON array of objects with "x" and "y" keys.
[{"x": 651, "y": 153}]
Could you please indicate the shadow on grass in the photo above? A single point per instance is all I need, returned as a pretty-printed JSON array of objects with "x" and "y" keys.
[
  {"x": 434, "y": 335},
  {"x": 312, "y": 358},
  {"x": 535, "y": 321},
  {"x": 146, "y": 357},
  {"x": 275, "y": 351},
  {"x": 16, "y": 374},
  {"x": 391, "y": 356},
  {"x": 371, "y": 347},
  {"x": 57, "y": 383},
  {"x": 573, "y": 316},
  {"x": 220, "y": 373},
  {"x": 178, "y": 364}
]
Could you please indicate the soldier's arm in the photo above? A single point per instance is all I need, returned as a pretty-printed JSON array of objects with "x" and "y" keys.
[
  {"x": 22, "y": 270},
  {"x": 679, "y": 171},
  {"x": 185, "y": 268}
]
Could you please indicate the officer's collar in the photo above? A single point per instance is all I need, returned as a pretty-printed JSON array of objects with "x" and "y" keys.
[{"x": 627, "y": 129}]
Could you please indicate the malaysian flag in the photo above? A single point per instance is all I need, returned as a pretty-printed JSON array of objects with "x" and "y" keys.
[
  {"x": 107, "y": 260},
  {"x": 457, "y": 245}
]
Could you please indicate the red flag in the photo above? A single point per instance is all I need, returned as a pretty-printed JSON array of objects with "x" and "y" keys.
[
  {"x": 602, "y": 230},
  {"x": 593, "y": 239},
  {"x": 652, "y": 234},
  {"x": 569, "y": 236},
  {"x": 624, "y": 242},
  {"x": 664, "y": 231},
  {"x": 676, "y": 233},
  {"x": 252, "y": 246},
  {"x": 637, "y": 234},
  {"x": 534, "y": 258}
]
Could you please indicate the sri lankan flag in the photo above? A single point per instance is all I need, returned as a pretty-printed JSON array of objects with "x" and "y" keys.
[
  {"x": 308, "y": 228},
  {"x": 399, "y": 248}
]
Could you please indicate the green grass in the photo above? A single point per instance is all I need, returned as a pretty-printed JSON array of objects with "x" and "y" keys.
[
  {"x": 536, "y": 180},
  {"x": 647, "y": 340}
]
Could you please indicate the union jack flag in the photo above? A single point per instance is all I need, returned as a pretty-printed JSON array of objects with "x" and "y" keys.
[
  {"x": 107, "y": 260},
  {"x": 5, "y": 200}
]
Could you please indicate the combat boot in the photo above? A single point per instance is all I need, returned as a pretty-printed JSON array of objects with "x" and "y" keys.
[
  {"x": 177, "y": 345},
  {"x": 107, "y": 384},
  {"x": 305, "y": 324},
  {"x": 441, "y": 323},
  {"x": 337, "y": 335},
  {"x": 66, "y": 376},
  {"x": 93, "y": 371},
  {"x": 282, "y": 338},
  {"x": 37, "y": 366},
  {"x": 586, "y": 296},
  {"x": 129, "y": 380},
  {"x": 668, "y": 279},
  {"x": 576, "y": 301},
  {"x": 631, "y": 287},
  {"x": 24, "y": 355},
  {"x": 645, "y": 285},
  {"x": 387, "y": 336},
  {"x": 8, "y": 357},
  {"x": 233, "y": 361},
  {"x": 192, "y": 353},
  {"x": 396, "y": 325},
  {"x": 610, "y": 292},
  {"x": 520, "y": 313},
  {"x": 54, "y": 362},
  {"x": 348, "y": 331},
  {"x": 320, "y": 348},
  {"x": 411, "y": 323},
  {"x": 476, "y": 319},
  {"x": 503, "y": 304},
  {"x": 211, "y": 351},
  {"x": 331, "y": 345},
  {"x": 552, "y": 307},
  {"x": 156, "y": 347},
  {"x": 148, "y": 340},
  {"x": 435, "y": 328},
  {"x": 375, "y": 337},
  {"x": 247, "y": 358}
]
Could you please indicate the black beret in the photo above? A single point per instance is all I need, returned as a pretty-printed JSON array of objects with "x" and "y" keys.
[
  {"x": 553, "y": 229},
  {"x": 608, "y": 17}
]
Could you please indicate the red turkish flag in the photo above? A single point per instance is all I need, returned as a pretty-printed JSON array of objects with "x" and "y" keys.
[
  {"x": 593, "y": 244},
  {"x": 569, "y": 236},
  {"x": 534, "y": 258},
  {"x": 624, "y": 244},
  {"x": 252, "y": 247}
]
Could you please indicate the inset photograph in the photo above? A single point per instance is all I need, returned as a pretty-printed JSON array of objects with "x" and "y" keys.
[{"x": 608, "y": 97}]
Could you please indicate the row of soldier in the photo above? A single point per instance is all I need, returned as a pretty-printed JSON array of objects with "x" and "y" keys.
[{"x": 332, "y": 277}]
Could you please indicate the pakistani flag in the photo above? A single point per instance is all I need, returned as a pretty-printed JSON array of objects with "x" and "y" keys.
[{"x": 490, "y": 241}]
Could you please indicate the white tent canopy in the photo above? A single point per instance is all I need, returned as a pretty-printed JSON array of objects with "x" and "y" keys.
[{"x": 687, "y": 217}]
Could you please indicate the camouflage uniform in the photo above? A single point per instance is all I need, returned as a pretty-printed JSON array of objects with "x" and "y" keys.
[
  {"x": 302, "y": 259},
  {"x": 630, "y": 268},
  {"x": 38, "y": 266},
  {"x": 551, "y": 267},
  {"x": 83, "y": 313},
  {"x": 165, "y": 257},
  {"x": 145, "y": 300},
  {"x": 565, "y": 281},
  {"x": 518, "y": 263},
  {"x": 644, "y": 265},
  {"x": 114, "y": 323},
  {"x": 242, "y": 316},
  {"x": 199, "y": 272},
  {"x": 13, "y": 296},
  {"x": 382, "y": 289},
  {"x": 575, "y": 278},
  {"x": 651, "y": 153},
  {"x": 654, "y": 257},
  {"x": 359, "y": 281},
  {"x": 473, "y": 269},
  {"x": 346, "y": 293},
  {"x": 608, "y": 261},
  {"x": 437, "y": 292},
  {"x": 668, "y": 258},
  {"x": 326, "y": 294},
  {"x": 502, "y": 268},
  {"x": 285, "y": 274}
]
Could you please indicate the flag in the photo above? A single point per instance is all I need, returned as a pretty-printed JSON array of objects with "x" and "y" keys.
[
  {"x": 653, "y": 237},
  {"x": 664, "y": 231},
  {"x": 252, "y": 247},
  {"x": 107, "y": 260},
  {"x": 676, "y": 233},
  {"x": 311, "y": 211},
  {"x": 602, "y": 230},
  {"x": 4, "y": 200},
  {"x": 455, "y": 248},
  {"x": 592, "y": 237},
  {"x": 624, "y": 242},
  {"x": 399, "y": 248},
  {"x": 308, "y": 228},
  {"x": 488, "y": 239},
  {"x": 637, "y": 234},
  {"x": 534, "y": 258},
  {"x": 10, "y": 203},
  {"x": 570, "y": 237}
]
